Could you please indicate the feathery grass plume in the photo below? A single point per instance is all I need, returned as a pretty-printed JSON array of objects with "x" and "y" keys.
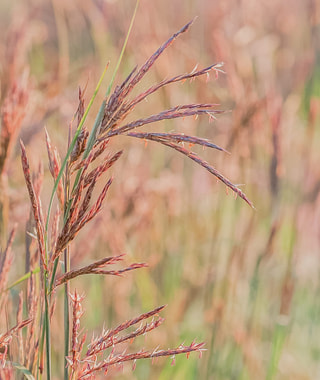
[
  {"x": 108, "y": 337},
  {"x": 75, "y": 181},
  {"x": 80, "y": 214},
  {"x": 116, "y": 110},
  {"x": 115, "y": 360},
  {"x": 179, "y": 78},
  {"x": 193, "y": 156},
  {"x": 180, "y": 111},
  {"x": 90, "y": 364},
  {"x": 119, "y": 106},
  {"x": 96, "y": 152},
  {"x": 176, "y": 137},
  {"x": 79, "y": 211},
  {"x": 97, "y": 268},
  {"x": 93, "y": 176},
  {"x": 77, "y": 342}
]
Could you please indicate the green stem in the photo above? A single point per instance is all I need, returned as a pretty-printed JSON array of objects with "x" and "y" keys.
[
  {"x": 66, "y": 316},
  {"x": 279, "y": 336},
  {"x": 40, "y": 357},
  {"x": 47, "y": 331},
  {"x": 66, "y": 269}
]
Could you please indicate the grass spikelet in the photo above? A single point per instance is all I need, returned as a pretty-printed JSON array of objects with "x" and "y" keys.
[
  {"x": 98, "y": 344},
  {"x": 54, "y": 167},
  {"x": 172, "y": 113},
  {"x": 79, "y": 214},
  {"x": 76, "y": 342},
  {"x": 112, "y": 338},
  {"x": 36, "y": 205},
  {"x": 171, "y": 142},
  {"x": 97, "y": 268}
]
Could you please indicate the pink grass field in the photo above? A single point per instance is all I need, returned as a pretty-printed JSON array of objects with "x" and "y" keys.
[{"x": 166, "y": 260}]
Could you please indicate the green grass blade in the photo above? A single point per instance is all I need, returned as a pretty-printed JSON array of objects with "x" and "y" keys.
[
  {"x": 47, "y": 330},
  {"x": 23, "y": 278},
  {"x": 26, "y": 373},
  {"x": 97, "y": 123},
  {"x": 98, "y": 120},
  {"x": 279, "y": 337}
]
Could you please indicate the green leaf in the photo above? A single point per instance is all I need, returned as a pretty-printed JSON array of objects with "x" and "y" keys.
[{"x": 26, "y": 373}]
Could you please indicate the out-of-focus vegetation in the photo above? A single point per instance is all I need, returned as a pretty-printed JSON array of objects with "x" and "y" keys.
[{"x": 244, "y": 281}]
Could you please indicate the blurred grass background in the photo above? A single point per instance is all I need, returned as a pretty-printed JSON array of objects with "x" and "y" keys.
[{"x": 245, "y": 281}]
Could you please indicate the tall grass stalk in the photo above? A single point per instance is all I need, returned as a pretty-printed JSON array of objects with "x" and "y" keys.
[
  {"x": 66, "y": 212},
  {"x": 234, "y": 275},
  {"x": 75, "y": 180},
  {"x": 47, "y": 281}
]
